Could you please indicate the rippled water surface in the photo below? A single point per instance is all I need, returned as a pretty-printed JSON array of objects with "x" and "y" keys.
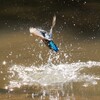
[{"x": 29, "y": 70}]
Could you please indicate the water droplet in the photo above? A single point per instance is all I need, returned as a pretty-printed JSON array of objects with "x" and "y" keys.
[
  {"x": 1, "y": 72},
  {"x": 4, "y": 62},
  {"x": 74, "y": 24}
]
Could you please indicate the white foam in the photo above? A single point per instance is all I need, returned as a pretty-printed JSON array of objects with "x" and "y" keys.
[{"x": 52, "y": 74}]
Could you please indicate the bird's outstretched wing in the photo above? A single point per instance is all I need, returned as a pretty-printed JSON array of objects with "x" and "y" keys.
[
  {"x": 53, "y": 24},
  {"x": 36, "y": 32},
  {"x": 43, "y": 34}
]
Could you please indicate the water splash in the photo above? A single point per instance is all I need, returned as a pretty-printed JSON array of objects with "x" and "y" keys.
[{"x": 52, "y": 74}]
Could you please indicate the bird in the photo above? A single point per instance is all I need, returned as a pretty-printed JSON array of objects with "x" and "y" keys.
[{"x": 46, "y": 36}]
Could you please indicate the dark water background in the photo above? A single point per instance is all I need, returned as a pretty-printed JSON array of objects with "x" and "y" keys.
[{"x": 29, "y": 70}]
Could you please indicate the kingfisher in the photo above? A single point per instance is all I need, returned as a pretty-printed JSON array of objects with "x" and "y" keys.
[{"x": 46, "y": 36}]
